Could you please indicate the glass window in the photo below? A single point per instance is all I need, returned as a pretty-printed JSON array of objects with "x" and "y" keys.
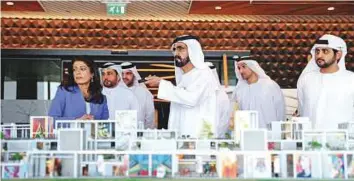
[{"x": 29, "y": 78}]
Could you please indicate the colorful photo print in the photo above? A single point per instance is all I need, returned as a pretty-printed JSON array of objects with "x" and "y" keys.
[
  {"x": 53, "y": 167},
  {"x": 7, "y": 133},
  {"x": 290, "y": 165},
  {"x": 162, "y": 165},
  {"x": 303, "y": 166},
  {"x": 139, "y": 165},
  {"x": 228, "y": 165},
  {"x": 187, "y": 166},
  {"x": 85, "y": 170},
  {"x": 50, "y": 128},
  {"x": 10, "y": 172},
  {"x": 38, "y": 127},
  {"x": 275, "y": 165},
  {"x": 337, "y": 165},
  {"x": 350, "y": 165},
  {"x": 104, "y": 130},
  {"x": 41, "y": 127},
  {"x": 209, "y": 169},
  {"x": 121, "y": 168}
]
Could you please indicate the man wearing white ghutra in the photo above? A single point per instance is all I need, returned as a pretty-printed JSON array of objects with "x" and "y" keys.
[
  {"x": 325, "y": 88},
  {"x": 193, "y": 99}
]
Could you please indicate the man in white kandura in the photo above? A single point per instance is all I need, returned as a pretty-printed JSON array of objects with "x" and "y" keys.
[
  {"x": 193, "y": 100},
  {"x": 146, "y": 113},
  {"x": 257, "y": 91},
  {"x": 325, "y": 88},
  {"x": 223, "y": 107},
  {"x": 119, "y": 97}
]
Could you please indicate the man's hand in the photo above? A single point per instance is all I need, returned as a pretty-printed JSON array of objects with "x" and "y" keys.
[
  {"x": 153, "y": 81},
  {"x": 86, "y": 117},
  {"x": 232, "y": 123}
]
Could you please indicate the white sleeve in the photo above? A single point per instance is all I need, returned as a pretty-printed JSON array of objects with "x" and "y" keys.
[
  {"x": 353, "y": 96},
  {"x": 233, "y": 102},
  {"x": 300, "y": 96},
  {"x": 187, "y": 98},
  {"x": 225, "y": 118},
  {"x": 149, "y": 111},
  {"x": 279, "y": 103},
  {"x": 134, "y": 104}
]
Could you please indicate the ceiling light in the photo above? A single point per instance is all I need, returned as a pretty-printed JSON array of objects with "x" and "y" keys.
[
  {"x": 217, "y": 7},
  {"x": 330, "y": 8},
  {"x": 9, "y": 3}
]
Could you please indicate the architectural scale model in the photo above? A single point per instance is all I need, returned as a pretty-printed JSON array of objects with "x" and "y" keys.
[{"x": 116, "y": 148}]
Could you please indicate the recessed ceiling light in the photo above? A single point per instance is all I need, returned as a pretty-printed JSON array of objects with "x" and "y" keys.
[
  {"x": 217, "y": 7},
  {"x": 9, "y": 3},
  {"x": 330, "y": 8}
]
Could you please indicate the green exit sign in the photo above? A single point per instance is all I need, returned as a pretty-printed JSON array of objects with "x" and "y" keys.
[{"x": 116, "y": 9}]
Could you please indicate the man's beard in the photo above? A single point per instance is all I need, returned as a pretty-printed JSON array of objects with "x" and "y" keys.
[
  {"x": 246, "y": 76},
  {"x": 129, "y": 84},
  {"x": 179, "y": 62},
  {"x": 325, "y": 64},
  {"x": 108, "y": 84}
]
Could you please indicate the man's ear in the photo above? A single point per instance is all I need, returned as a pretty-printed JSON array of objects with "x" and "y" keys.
[
  {"x": 309, "y": 57},
  {"x": 339, "y": 55}
]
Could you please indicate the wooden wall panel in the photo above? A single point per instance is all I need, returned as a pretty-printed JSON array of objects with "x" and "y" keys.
[{"x": 280, "y": 47}]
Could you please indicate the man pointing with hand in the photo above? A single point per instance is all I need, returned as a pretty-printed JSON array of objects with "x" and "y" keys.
[{"x": 193, "y": 99}]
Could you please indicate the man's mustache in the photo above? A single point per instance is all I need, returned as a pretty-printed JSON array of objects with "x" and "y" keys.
[
  {"x": 106, "y": 81},
  {"x": 178, "y": 58}
]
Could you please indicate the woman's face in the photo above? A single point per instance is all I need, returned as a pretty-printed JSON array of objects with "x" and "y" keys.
[{"x": 82, "y": 73}]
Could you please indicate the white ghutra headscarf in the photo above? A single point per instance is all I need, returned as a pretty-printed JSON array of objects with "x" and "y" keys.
[
  {"x": 254, "y": 66},
  {"x": 130, "y": 66},
  {"x": 215, "y": 73},
  {"x": 327, "y": 41},
  {"x": 115, "y": 67},
  {"x": 196, "y": 56}
]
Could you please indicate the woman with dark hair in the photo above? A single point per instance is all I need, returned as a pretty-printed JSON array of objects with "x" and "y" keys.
[{"x": 80, "y": 96}]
